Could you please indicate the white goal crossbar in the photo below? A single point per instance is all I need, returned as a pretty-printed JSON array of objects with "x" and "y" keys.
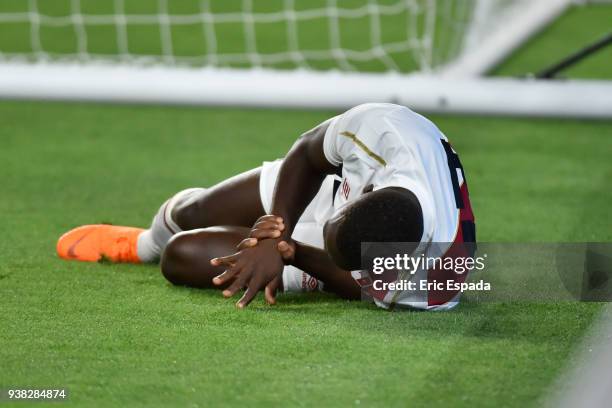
[{"x": 298, "y": 89}]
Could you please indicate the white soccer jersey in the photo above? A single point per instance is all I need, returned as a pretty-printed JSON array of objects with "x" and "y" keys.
[{"x": 388, "y": 145}]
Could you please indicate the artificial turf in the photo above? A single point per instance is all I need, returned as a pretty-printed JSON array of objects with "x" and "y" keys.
[{"x": 119, "y": 334}]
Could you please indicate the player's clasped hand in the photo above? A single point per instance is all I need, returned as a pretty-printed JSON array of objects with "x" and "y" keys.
[
  {"x": 267, "y": 226},
  {"x": 258, "y": 263},
  {"x": 270, "y": 226}
]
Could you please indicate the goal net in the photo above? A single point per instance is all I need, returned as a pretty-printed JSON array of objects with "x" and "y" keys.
[
  {"x": 347, "y": 35},
  {"x": 155, "y": 50}
]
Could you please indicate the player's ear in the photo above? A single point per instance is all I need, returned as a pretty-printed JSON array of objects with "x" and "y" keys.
[{"x": 368, "y": 189}]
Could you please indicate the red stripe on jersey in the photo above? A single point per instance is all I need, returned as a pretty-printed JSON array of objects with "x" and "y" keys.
[{"x": 456, "y": 250}]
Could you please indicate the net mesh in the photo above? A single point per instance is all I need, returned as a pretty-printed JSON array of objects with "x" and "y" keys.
[{"x": 348, "y": 35}]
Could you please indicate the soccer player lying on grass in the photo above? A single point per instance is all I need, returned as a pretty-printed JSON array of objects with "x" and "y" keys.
[{"x": 377, "y": 173}]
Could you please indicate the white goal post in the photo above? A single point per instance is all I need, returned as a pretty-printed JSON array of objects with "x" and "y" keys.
[{"x": 449, "y": 45}]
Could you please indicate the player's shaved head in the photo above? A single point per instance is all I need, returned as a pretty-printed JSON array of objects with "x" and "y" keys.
[{"x": 390, "y": 214}]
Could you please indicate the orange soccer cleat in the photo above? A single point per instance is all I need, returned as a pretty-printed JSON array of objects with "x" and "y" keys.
[{"x": 92, "y": 243}]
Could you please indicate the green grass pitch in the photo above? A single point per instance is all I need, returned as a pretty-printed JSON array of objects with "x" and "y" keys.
[{"x": 119, "y": 334}]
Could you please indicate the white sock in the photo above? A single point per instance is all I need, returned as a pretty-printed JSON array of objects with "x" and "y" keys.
[
  {"x": 148, "y": 251},
  {"x": 152, "y": 242}
]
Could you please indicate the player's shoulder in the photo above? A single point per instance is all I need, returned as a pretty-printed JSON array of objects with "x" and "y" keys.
[
  {"x": 374, "y": 115},
  {"x": 386, "y": 115},
  {"x": 375, "y": 108}
]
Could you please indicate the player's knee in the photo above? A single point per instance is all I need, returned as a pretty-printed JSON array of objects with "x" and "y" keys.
[
  {"x": 185, "y": 260},
  {"x": 173, "y": 259},
  {"x": 179, "y": 259}
]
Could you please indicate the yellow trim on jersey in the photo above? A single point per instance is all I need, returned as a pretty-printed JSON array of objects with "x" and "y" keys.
[{"x": 363, "y": 147}]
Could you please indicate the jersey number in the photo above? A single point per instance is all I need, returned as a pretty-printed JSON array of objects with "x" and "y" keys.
[{"x": 453, "y": 165}]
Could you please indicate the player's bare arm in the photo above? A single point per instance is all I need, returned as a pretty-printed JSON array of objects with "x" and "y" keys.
[{"x": 299, "y": 180}]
